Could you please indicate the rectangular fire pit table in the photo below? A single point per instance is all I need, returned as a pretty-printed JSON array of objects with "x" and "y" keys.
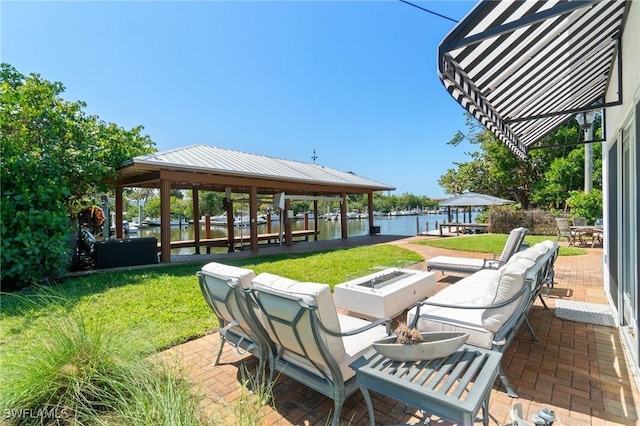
[
  {"x": 454, "y": 388},
  {"x": 385, "y": 294}
]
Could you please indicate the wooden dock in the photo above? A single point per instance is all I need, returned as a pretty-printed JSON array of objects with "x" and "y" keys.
[{"x": 454, "y": 229}]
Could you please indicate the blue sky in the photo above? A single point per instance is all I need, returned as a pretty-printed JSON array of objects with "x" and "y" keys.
[{"x": 356, "y": 81}]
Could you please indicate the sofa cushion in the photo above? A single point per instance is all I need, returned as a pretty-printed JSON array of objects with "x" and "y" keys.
[
  {"x": 312, "y": 294},
  {"x": 434, "y": 318},
  {"x": 509, "y": 283},
  {"x": 468, "y": 291},
  {"x": 535, "y": 254}
]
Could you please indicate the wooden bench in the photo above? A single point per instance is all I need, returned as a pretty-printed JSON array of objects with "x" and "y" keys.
[{"x": 224, "y": 242}]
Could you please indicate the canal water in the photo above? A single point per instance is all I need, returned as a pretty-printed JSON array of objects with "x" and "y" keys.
[{"x": 328, "y": 229}]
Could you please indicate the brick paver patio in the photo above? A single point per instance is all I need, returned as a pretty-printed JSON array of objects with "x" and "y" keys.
[{"x": 578, "y": 370}]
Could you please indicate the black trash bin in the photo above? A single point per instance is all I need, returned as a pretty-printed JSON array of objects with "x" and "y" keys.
[{"x": 130, "y": 252}]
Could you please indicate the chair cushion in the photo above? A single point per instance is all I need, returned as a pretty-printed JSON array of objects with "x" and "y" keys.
[
  {"x": 451, "y": 263},
  {"x": 509, "y": 283},
  {"x": 513, "y": 244},
  {"x": 312, "y": 294},
  {"x": 240, "y": 275},
  {"x": 355, "y": 346},
  {"x": 221, "y": 280}
]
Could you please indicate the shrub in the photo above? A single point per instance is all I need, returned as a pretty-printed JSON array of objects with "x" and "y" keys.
[
  {"x": 505, "y": 218},
  {"x": 587, "y": 205},
  {"x": 53, "y": 157}
]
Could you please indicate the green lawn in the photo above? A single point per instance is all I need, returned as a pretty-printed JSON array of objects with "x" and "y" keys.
[
  {"x": 492, "y": 243},
  {"x": 163, "y": 306}
]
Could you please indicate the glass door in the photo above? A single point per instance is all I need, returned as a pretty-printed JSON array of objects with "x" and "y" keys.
[{"x": 628, "y": 255}]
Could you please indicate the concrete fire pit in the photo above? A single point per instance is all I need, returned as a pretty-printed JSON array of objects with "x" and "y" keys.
[{"x": 385, "y": 294}]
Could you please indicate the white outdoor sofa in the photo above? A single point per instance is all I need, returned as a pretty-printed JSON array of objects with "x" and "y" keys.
[
  {"x": 466, "y": 265},
  {"x": 490, "y": 304}
]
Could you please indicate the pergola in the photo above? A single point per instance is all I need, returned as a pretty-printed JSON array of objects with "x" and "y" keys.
[{"x": 262, "y": 178}]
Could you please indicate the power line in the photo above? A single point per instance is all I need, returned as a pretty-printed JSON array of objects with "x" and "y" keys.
[{"x": 429, "y": 11}]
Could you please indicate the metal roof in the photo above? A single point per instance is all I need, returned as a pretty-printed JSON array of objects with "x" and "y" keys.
[
  {"x": 205, "y": 160},
  {"x": 474, "y": 199},
  {"x": 523, "y": 68}
]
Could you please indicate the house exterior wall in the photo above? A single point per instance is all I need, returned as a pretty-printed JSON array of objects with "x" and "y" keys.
[{"x": 621, "y": 187}]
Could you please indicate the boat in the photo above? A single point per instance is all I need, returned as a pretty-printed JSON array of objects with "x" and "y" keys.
[
  {"x": 273, "y": 217},
  {"x": 238, "y": 221},
  {"x": 172, "y": 222},
  {"x": 331, "y": 216},
  {"x": 126, "y": 227},
  {"x": 300, "y": 216},
  {"x": 129, "y": 228},
  {"x": 220, "y": 220}
]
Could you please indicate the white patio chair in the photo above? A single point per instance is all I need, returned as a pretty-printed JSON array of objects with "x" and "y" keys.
[
  {"x": 222, "y": 287},
  {"x": 466, "y": 265},
  {"x": 314, "y": 344},
  {"x": 579, "y": 221}
]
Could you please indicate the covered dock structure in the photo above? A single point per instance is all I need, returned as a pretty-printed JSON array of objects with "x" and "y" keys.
[{"x": 261, "y": 179}]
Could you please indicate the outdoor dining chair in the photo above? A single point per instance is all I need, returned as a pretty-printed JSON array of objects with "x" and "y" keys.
[
  {"x": 564, "y": 231},
  {"x": 579, "y": 221}
]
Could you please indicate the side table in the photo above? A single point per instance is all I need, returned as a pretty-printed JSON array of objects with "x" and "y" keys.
[{"x": 454, "y": 388}]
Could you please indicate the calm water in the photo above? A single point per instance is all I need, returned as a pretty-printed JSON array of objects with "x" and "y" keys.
[{"x": 329, "y": 230}]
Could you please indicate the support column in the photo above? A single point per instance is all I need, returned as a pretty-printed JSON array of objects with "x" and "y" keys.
[
  {"x": 253, "y": 217},
  {"x": 207, "y": 230},
  {"x": 196, "y": 217},
  {"x": 288, "y": 238},
  {"x": 165, "y": 221},
  {"x": 343, "y": 215},
  {"x": 315, "y": 220},
  {"x": 370, "y": 210},
  {"x": 230, "y": 229},
  {"x": 119, "y": 218},
  {"x": 588, "y": 160}
]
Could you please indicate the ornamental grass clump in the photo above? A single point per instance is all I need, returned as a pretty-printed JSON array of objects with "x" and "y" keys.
[
  {"x": 406, "y": 335},
  {"x": 80, "y": 374}
]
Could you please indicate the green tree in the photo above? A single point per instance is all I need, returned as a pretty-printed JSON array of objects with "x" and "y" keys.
[
  {"x": 211, "y": 203},
  {"x": 53, "y": 157},
  {"x": 543, "y": 179},
  {"x": 587, "y": 205}
]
